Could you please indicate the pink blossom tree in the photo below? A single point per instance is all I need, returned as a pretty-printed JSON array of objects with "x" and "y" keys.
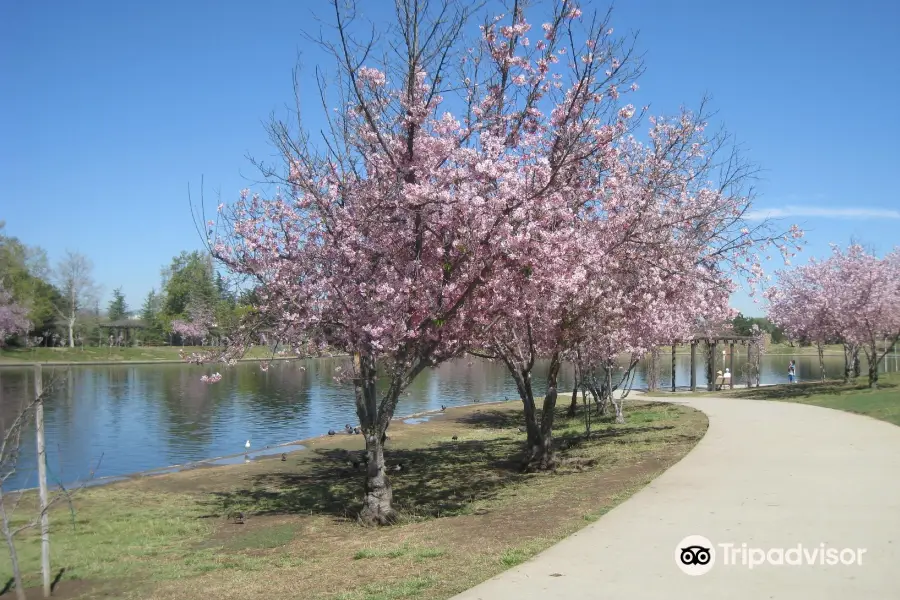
[
  {"x": 380, "y": 238},
  {"x": 196, "y": 327},
  {"x": 13, "y": 317},
  {"x": 853, "y": 295},
  {"x": 639, "y": 247},
  {"x": 800, "y": 304},
  {"x": 486, "y": 198}
]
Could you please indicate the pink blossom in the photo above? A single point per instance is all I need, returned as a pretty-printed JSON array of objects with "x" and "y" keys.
[{"x": 13, "y": 317}]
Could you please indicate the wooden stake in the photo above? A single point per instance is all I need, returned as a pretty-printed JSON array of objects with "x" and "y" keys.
[{"x": 42, "y": 479}]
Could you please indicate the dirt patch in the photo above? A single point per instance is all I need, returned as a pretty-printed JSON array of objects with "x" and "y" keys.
[{"x": 66, "y": 589}]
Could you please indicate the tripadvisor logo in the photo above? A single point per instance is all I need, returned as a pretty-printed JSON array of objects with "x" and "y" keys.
[{"x": 696, "y": 555}]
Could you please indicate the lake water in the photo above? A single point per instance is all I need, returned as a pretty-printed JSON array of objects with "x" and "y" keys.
[{"x": 142, "y": 417}]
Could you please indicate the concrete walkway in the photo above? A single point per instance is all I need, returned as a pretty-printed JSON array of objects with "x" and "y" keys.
[{"x": 767, "y": 474}]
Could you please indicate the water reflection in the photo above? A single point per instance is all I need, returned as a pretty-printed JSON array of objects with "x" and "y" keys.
[{"x": 141, "y": 417}]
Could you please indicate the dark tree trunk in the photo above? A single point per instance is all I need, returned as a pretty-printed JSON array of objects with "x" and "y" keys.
[
  {"x": 620, "y": 417},
  {"x": 539, "y": 454},
  {"x": 821, "y": 360},
  {"x": 374, "y": 420},
  {"x": 847, "y": 363},
  {"x": 872, "y": 357},
  {"x": 377, "y": 506},
  {"x": 573, "y": 406}
]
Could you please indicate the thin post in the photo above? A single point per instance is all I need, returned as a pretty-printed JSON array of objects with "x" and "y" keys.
[
  {"x": 731, "y": 368},
  {"x": 693, "y": 368},
  {"x": 673, "y": 366},
  {"x": 749, "y": 366},
  {"x": 710, "y": 366},
  {"x": 42, "y": 478}
]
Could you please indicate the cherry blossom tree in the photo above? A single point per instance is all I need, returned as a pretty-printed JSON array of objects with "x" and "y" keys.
[
  {"x": 487, "y": 198},
  {"x": 196, "y": 327},
  {"x": 380, "y": 238},
  {"x": 800, "y": 304},
  {"x": 639, "y": 248},
  {"x": 13, "y": 317},
  {"x": 853, "y": 295}
]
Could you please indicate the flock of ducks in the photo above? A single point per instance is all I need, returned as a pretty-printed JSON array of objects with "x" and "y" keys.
[{"x": 348, "y": 430}]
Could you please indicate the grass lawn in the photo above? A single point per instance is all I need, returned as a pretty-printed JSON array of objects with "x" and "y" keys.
[
  {"x": 468, "y": 512},
  {"x": 881, "y": 403},
  {"x": 77, "y": 355}
]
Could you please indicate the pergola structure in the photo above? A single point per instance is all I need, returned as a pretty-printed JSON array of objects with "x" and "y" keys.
[{"x": 713, "y": 342}]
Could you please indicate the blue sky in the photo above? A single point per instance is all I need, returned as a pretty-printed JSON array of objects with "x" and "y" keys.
[{"x": 111, "y": 109}]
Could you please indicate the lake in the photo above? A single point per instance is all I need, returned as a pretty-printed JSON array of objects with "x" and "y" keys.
[{"x": 141, "y": 417}]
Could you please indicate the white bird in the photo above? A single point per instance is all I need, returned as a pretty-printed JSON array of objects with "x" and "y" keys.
[{"x": 247, "y": 445}]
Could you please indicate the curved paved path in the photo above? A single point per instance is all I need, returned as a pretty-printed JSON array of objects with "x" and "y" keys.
[{"x": 768, "y": 474}]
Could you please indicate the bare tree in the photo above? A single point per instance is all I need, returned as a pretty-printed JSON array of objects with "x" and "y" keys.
[{"x": 74, "y": 278}]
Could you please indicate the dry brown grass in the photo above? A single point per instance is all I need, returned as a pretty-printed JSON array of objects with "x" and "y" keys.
[{"x": 469, "y": 512}]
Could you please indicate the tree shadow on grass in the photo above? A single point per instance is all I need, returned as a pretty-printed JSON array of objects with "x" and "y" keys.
[
  {"x": 440, "y": 480},
  {"x": 805, "y": 390}
]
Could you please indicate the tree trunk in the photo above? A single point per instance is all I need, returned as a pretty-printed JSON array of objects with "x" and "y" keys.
[
  {"x": 847, "y": 365},
  {"x": 821, "y": 360},
  {"x": 587, "y": 412},
  {"x": 573, "y": 407},
  {"x": 377, "y": 504},
  {"x": 620, "y": 418},
  {"x": 541, "y": 455},
  {"x": 856, "y": 367},
  {"x": 872, "y": 356},
  {"x": 539, "y": 452},
  {"x": 71, "y": 333}
]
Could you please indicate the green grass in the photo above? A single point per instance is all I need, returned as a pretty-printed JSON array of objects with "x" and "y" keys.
[
  {"x": 169, "y": 537},
  {"x": 89, "y": 354},
  {"x": 118, "y": 533},
  {"x": 419, "y": 554},
  {"x": 411, "y": 587},
  {"x": 263, "y": 538},
  {"x": 882, "y": 403}
]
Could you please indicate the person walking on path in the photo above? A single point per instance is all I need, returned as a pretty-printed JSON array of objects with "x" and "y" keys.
[{"x": 792, "y": 371}]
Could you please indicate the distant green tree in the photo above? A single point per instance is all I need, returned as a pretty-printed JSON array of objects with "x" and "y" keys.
[
  {"x": 150, "y": 311},
  {"x": 25, "y": 275},
  {"x": 188, "y": 279},
  {"x": 744, "y": 326},
  {"x": 118, "y": 309}
]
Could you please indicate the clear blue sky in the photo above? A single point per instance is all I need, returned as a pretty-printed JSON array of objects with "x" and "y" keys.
[{"x": 110, "y": 109}]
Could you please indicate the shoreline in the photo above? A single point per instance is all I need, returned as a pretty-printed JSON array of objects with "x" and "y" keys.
[
  {"x": 210, "y": 463},
  {"x": 14, "y": 363},
  {"x": 158, "y": 361}
]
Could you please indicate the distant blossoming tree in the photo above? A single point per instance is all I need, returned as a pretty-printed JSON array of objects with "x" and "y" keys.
[
  {"x": 196, "y": 327},
  {"x": 853, "y": 295},
  {"x": 13, "y": 317}
]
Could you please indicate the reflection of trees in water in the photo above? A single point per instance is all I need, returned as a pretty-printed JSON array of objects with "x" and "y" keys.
[
  {"x": 13, "y": 386},
  {"x": 284, "y": 390},
  {"x": 189, "y": 405}
]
